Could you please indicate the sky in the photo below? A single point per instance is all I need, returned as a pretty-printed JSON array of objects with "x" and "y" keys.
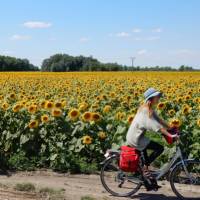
[{"x": 154, "y": 32}]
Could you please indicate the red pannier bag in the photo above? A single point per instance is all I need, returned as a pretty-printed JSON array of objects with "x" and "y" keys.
[{"x": 129, "y": 159}]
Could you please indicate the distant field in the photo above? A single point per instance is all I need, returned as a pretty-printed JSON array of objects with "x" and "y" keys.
[{"x": 55, "y": 119}]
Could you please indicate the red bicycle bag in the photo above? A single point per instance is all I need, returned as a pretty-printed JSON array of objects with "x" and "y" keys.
[{"x": 129, "y": 159}]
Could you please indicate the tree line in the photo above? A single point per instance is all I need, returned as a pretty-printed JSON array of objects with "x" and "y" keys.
[
  {"x": 65, "y": 63},
  {"x": 8, "y": 63}
]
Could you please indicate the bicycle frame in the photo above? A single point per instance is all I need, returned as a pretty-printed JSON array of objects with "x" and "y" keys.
[{"x": 177, "y": 156}]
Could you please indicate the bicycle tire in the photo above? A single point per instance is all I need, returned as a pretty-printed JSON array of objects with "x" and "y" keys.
[
  {"x": 107, "y": 187},
  {"x": 172, "y": 175}
]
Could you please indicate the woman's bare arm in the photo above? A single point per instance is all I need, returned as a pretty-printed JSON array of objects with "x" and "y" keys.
[{"x": 165, "y": 124}]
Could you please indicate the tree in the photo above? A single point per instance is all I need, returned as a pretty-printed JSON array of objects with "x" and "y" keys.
[{"x": 8, "y": 63}]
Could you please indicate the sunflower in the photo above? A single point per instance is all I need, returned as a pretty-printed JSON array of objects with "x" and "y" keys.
[
  {"x": 130, "y": 119},
  {"x": 16, "y": 108},
  {"x": 120, "y": 116},
  {"x": 32, "y": 109},
  {"x": 73, "y": 114},
  {"x": 56, "y": 112},
  {"x": 44, "y": 118},
  {"x": 33, "y": 124},
  {"x": 87, "y": 139},
  {"x": 186, "y": 109},
  {"x": 188, "y": 97},
  {"x": 175, "y": 123},
  {"x": 112, "y": 94},
  {"x": 47, "y": 95},
  {"x": 161, "y": 106},
  {"x": 198, "y": 122},
  {"x": 102, "y": 135},
  {"x": 83, "y": 106},
  {"x": 12, "y": 96},
  {"x": 5, "y": 106},
  {"x": 171, "y": 112},
  {"x": 87, "y": 116},
  {"x": 42, "y": 104},
  {"x": 107, "y": 109},
  {"x": 49, "y": 105},
  {"x": 95, "y": 106},
  {"x": 179, "y": 99},
  {"x": 96, "y": 117},
  {"x": 58, "y": 105}
]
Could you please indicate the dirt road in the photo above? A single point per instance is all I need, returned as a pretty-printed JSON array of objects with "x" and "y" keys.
[{"x": 76, "y": 186}]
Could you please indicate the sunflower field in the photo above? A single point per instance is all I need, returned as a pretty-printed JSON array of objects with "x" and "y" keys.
[{"x": 66, "y": 121}]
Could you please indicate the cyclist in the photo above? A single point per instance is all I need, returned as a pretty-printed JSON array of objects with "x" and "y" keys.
[{"x": 146, "y": 119}]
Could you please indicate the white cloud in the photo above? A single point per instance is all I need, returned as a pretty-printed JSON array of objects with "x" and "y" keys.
[
  {"x": 20, "y": 37},
  {"x": 183, "y": 52},
  {"x": 84, "y": 39},
  {"x": 138, "y": 38},
  {"x": 157, "y": 30},
  {"x": 7, "y": 52},
  {"x": 137, "y": 30},
  {"x": 123, "y": 34},
  {"x": 37, "y": 24},
  {"x": 52, "y": 39},
  {"x": 142, "y": 52},
  {"x": 110, "y": 35},
  {"x": 153, "y": 38}
]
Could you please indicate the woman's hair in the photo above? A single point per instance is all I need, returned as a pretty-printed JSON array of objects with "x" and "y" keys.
[{"x": 148, "y": 105}]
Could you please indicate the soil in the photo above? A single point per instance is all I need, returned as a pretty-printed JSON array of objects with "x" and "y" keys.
[{"x": 75, "y": 186}]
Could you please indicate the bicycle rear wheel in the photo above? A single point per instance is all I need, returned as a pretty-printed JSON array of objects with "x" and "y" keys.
[
  {"x": 117, "y": 182},
  {"x": 185, "y": 181}
]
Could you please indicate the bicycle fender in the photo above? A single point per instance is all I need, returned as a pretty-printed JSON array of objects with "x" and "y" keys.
[
  {"x": 103, "y": 162},
  {"x": 180, "y": 162}
]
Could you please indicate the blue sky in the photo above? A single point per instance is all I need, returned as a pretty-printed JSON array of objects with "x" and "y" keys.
[{"x": 156, "y": 32}]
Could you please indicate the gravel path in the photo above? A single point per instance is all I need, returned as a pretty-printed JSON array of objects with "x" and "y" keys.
[{"x": 76, "y": 186}]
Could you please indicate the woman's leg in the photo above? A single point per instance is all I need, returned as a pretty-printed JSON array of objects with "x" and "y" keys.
[{"x": 157, "y": 150}]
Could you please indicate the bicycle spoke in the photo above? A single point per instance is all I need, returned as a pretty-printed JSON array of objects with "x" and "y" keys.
[
  {"x": 117, "y": 182},
  {"x": 186, "y": 183}
]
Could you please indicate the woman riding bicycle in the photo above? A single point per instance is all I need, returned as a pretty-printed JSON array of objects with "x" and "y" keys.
[{"x": 146, "y": 119}]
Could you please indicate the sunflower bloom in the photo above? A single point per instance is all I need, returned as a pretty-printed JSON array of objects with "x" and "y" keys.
[
  {"x": 175, "y": 123},
  {"x": 87, "y": 116},
  {"x": 83, "y": 106},
  {"x": 87, "y": 139},
  {"x": 12, "y": 96},
  {"x": 33, "y": 124},
  {"x": 44, "y": 118},
  {"x": 16, "y": 108},
  {"x": 161, "y": 106},
  {"x": 130, "y": 119},
  {"x": 49, "y": 105},
  {"x": 56, "y": 112},
  {"x": 5, "y": 106},
  {"x": 74, "y": 114},
  {"x": 198, "y": 122},
  {"x": 102, "y": 135},
  {"x": 96, "y": 117},
  {"x": 171, "y": 112},
  {"x": 58, "y": 105},
  {"x": 186, "y": 110},
  {"x": 32, "y": 109},
  {"x": 107, "y": 109}
]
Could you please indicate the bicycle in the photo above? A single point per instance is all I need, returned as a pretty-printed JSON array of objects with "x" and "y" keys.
[{"x": 183, "y": 175}]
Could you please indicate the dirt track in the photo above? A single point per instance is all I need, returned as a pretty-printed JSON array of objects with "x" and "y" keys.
[{"x": 76, "y": 186}]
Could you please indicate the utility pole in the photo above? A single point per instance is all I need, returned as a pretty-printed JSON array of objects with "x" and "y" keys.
[{"x": 132, "y": 60}]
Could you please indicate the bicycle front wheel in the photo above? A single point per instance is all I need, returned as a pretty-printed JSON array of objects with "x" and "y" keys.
[
  {"x": 185, "y": 180},
  {"x": 117, "y": 182}
]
